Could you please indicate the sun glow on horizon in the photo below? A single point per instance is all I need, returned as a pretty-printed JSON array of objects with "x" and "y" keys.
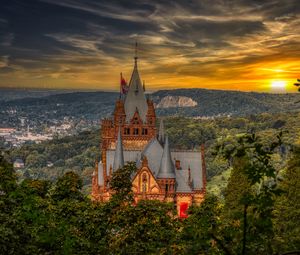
[{"x": 278, "y": 85}]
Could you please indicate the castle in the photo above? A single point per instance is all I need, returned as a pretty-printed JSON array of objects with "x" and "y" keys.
[{"x": 131, "y": 135}]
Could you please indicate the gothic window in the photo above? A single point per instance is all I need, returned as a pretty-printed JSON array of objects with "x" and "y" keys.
[
  {"x": 126, "y": 131},
  {"x": 144, "y": 131},
  {"x": 135, "y": 120},
  {"x": 135, "y": 131},
  {"x": 144, "y": 188},
  {"x": 144, "y": 184},
  {"x": 144, "y": 177}
]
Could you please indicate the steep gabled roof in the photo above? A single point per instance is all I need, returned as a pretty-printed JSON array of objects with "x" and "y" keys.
[
  {"x": 182, "y": 181},
  {"x": 153, "y": 151},
  {"x": 192, "y": 160},
  {"x": 135, "y": 98}
]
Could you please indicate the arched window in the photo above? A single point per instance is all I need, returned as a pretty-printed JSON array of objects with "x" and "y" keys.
[
  {"x": 126, "y": 131},
  {"x": 144, "y": 187},
  {"x": 167, "y": 188},
  {"x": 135, "y": 131},
  {"x": 144, "y": 131},
  {"x": 144, "y": 183}
]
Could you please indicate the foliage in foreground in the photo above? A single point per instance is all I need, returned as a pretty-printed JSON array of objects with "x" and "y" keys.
[{"x": 258, "y": 216}]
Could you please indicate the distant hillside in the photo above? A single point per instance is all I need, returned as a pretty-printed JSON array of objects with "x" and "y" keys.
[
  {"x": 8, "y": 94},
  {"x": 220, "y": 102},
  {"x": 78, "y": 152},
  {"x": 96, "y": 105}
]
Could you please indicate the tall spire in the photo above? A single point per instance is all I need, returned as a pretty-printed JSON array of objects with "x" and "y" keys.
[
  {"x": 135, "y": 54},
  {"x": 166, "y": 169},
  {"x": 135, "y": 66},
  {"x": 135, "y": 97},
  {"x": 161, "y": 132},
  {"x": 119, "y": 156}
]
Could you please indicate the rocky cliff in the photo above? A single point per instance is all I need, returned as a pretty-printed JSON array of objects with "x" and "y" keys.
[{"x": 176, "y": 101}]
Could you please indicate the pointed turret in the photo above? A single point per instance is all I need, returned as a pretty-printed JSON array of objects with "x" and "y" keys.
[
  {"x": 135, "y": 97},
  {"x": 119, "y": 156},
  {"x": 100, "y": 174},
  {"x": 161, "y": 132},
  {"x": 166, "y": 169}
]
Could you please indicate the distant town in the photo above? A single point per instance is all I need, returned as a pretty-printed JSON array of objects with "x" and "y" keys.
[{"x": 29, "y": 131}]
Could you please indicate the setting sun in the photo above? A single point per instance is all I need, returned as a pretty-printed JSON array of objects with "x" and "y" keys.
[{"x": 278, "y": 85}]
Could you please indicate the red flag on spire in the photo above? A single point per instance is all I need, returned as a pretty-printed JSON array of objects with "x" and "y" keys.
[{"x": 124, "y": 87}]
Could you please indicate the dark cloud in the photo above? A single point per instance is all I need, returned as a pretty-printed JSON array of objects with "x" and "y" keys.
[{"x": 69, "y": 38}]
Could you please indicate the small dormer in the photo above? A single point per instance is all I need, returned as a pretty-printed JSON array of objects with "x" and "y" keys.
[{"x": 136, "y": 119}]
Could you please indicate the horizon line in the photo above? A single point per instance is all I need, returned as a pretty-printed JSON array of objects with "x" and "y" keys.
[{"x": 147, "y": 92}]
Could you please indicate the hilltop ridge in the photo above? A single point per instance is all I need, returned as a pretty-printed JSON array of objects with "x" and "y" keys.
[{"x": 93, "y": 106}]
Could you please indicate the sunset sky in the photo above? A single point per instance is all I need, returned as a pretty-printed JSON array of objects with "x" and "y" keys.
[{"x": 215, "y": 44}]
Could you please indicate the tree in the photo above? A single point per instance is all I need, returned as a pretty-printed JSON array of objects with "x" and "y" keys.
[
  {"x": 201, "y": 230},
  {"x": 8, "y": 239},
  {"x": 7, "y": 176},
  {"x": 238, "y": 185},
  {"x": 67, "y": 187},
  {"x": 149, "y": 227},
  {"x": 121, "y": 183},
  {"x": 142, "y": 228},
  {"x": 21, "y": 212},
  {"x": 251, "y": 201},
  {"x": 297, "y": 84},
  {"x": 287, "y": 207}
]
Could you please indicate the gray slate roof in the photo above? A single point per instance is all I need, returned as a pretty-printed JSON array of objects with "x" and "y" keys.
[
  {"x": 153, "y": 151},
  {"x": 132, "y": 155},
  {"x": 166, "y": 169},
  {"x": 135, "y": 98},
  {"x": 182, "y": 181},
  {"x": 193, "y": 160},
  {"x": 119, "y": 157},
  {"x": 19, "y": 161},
  {"x": 100, "y": 174}
]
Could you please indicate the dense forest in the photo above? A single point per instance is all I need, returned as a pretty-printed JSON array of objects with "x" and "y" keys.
[
  {"x": 51, "y": 159},
  {"x": 258, "y": 215},
  {"x": 251, "y": 207},
  {"x": 92, "y": 106}
]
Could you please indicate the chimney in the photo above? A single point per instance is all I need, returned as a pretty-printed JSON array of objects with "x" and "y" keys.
[
  {"x": 177, "y": 164},
  {"x": 144, "y": 161}
]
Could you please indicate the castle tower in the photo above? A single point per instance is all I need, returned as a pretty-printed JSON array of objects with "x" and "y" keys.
[{"x": 130, "y": 135}]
